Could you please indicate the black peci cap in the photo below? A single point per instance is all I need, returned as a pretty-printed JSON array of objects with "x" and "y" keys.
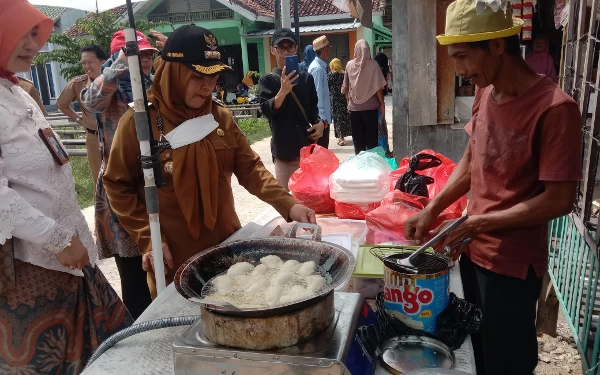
[
  {"x": 283, "y": 34},
  {"x": 196, "y": 48}
]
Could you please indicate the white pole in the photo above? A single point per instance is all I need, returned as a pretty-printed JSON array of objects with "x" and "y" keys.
[
  {"x": 144, "y": 135},
  {"x": 285, "y": 14}
]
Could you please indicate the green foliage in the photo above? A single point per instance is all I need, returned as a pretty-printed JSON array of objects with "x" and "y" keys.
[
  {"x": 84, "y": 184},
  {"x": 255, "y": 129},
  {"x": 99, "y": 29}
]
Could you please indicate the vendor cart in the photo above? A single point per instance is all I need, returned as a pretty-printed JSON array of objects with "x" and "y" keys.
[{"x": 185, "y": 350}]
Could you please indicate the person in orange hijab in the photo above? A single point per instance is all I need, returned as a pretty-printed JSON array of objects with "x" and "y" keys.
[
  {"x": 206, "y": 147},
  {"x": 56, "y": 306}
]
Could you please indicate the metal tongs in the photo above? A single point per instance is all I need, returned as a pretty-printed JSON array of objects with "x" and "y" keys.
[{"x": 409, "y": 264}]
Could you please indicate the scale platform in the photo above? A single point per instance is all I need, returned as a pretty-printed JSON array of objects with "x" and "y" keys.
[{"x": 336, "y": 350}]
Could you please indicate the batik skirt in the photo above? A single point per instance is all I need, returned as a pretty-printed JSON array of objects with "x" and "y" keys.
[{"x": 53, "y": 321}]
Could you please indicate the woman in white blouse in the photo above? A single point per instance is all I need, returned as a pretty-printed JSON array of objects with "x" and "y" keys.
[{"x": 56, "y": 306}]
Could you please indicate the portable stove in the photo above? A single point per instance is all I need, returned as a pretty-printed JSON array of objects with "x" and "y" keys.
[{"x": 335, "y": 351}]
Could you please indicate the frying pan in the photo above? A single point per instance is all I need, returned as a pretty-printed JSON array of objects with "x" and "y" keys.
[{"x": 337, "y": 263}]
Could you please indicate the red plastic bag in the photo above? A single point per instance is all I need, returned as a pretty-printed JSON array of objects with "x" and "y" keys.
[
  {"x": 310, "y": 184},
  {"x": 440, "y": 174},
  {"x": 395, "y": 209},
  {"x": 386, "y": 223},
  {"x": 353, "y": 211}
]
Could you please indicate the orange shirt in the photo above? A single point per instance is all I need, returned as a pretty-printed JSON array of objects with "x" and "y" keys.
[{"x": 516, "y": 146}]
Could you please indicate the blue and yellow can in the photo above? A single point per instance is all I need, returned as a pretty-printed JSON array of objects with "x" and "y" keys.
[{"x": 417, "y": 299}]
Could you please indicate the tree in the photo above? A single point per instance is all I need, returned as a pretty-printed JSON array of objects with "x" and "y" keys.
[{"x": 99, "y": 29}]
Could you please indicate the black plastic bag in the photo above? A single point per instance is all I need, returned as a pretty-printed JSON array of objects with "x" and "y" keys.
[
  {"x": 454, "y": 324},
  {"x": 413, "y": 183},
  {"x": 457, "y": 321}
]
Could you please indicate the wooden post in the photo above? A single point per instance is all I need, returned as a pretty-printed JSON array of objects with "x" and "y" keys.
[
  {"x": 400, "y": 77},
  {"x": 422, "y": 62},
  {"x": 445, "y": 71},
  {"x": 547, "y": 313}
]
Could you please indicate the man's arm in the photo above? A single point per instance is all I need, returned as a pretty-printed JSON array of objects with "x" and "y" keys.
[
  {"x": 557, "y": 200},
  {"x": 98, "y": 95},
  {"x": 63, "y": 103}
]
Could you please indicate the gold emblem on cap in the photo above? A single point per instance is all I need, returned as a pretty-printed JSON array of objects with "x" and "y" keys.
[
  {"x": 169, "y": 167},
  {"x": 211, "y": 40},
  {"x": 220, "y": 132},
  {"x": 209, "y": 69},
  {"x": 175, "y": 54},
  {"x": 212, "y": 55}
]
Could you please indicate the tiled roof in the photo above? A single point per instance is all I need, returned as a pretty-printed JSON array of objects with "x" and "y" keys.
[
  {"x": 50, "y": 11},
  {"x": 306, "y": 8},
  {"x": 311, "y": 29},
  {"x": 74, "y": 31}
]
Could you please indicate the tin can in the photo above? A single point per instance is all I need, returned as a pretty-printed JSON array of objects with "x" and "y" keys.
[{"x": 417, "y": 299}]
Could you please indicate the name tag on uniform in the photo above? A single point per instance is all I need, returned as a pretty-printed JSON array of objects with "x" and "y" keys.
[
  {"x": 54, "y": 146},
  {"x": 192, "y": 131}
]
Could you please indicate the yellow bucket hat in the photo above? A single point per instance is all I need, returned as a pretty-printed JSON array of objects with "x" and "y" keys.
[{"x": 463, "y": 24}]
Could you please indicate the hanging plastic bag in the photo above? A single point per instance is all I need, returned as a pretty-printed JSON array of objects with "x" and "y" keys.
[
  {"x": 397, "y": 207},
  {"x": 363, "y": 178},
  {"x": 414, "y": 183},
  {"x": 310, "y": 184},
  {"x": 440, "y": 175}
]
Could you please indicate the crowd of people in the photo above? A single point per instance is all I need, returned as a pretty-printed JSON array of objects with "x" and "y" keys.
[{"x": 321, "y": 94}]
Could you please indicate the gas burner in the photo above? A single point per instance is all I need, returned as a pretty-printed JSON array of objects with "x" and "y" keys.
[{"x": 336, "y": 350}]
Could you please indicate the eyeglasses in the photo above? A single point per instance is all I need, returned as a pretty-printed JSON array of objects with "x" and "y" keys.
[{"x": 282, "y": 49}]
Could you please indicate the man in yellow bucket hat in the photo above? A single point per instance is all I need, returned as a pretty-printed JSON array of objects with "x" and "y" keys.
[{"x": 521, "y": 167}]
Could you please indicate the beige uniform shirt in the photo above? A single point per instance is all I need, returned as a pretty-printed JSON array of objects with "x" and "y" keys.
[
  {"x": 72, "y": 93},
  {"x": 30, "y": 89}
]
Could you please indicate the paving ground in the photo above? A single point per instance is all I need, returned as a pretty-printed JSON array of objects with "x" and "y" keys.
[{"x": 557, "y": 355}]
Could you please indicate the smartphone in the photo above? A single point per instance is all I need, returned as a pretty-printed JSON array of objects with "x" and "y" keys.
[{"x": 291, "y": 64}]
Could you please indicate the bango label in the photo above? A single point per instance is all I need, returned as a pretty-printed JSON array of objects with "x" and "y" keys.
[{"x": 417, "y": 302}]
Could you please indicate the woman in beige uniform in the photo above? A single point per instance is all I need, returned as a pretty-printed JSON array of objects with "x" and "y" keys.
[{"x": 196, "y": 204}]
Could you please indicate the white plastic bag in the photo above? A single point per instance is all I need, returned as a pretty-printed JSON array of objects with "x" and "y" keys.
[{"x": 363, "y": 178}]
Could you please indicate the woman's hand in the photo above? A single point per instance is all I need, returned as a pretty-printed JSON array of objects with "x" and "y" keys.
[
  {"x": 162, "y": 39},
  {"x": 303, "y": 214},
  {"x": 148, "y": 260},
  {"x": 382, "y": 109},
  {"x": 74, "y": 256}
]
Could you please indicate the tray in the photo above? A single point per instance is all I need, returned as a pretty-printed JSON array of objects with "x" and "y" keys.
[
  {"x": 358, "y": 228},
  {"x": 369, "y": 266}
]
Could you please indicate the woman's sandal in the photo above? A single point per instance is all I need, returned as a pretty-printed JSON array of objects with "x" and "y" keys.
[{"x": 341, "y": 142}]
